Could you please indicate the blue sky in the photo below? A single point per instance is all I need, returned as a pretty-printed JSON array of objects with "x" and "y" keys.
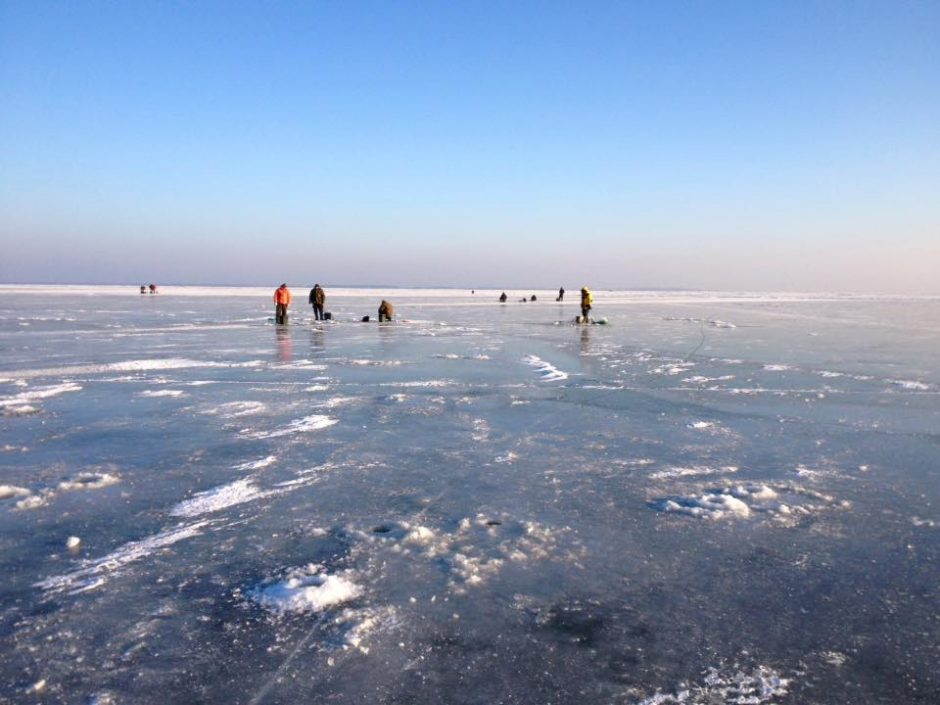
[{"x": 748, "y": 145}]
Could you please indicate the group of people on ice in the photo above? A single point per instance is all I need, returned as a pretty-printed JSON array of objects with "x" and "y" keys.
[
  {"x": 317, "y": 299},
  {"x": 587, "y": 301}
]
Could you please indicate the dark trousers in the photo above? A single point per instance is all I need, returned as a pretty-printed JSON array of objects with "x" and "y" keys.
[
  {"x": 318, "y": 311},
  {"x": 585, "y": 310},
  {"x": 280, "y": 314}
]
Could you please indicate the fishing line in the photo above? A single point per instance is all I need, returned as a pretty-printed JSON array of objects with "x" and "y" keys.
[{"x": 700, "y": 343}]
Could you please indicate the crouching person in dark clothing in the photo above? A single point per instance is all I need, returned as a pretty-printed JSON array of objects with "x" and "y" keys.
[{"x": 386, "y": 311}]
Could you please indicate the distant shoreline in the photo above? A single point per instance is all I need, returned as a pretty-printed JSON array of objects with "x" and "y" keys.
[{"x": 545, "y": 296}]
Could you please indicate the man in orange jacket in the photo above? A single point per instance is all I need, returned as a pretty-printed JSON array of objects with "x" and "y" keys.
[{"x": 281, "y": 301}]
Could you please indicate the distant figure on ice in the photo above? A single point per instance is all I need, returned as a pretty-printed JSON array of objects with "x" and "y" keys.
[
  {"x": 281, "y": 302},
  {"x": 153, "y": 288},
  {"x": 317, "y": 299},
  {"x": 143, "y": 289},
  {"x": 503, "y": 297},
  {"x": 586, "y": 300},
  {"x": 386, "y": 311},
  {"x": 561, "y": 294},
  {"x": 532, "y": 298}
]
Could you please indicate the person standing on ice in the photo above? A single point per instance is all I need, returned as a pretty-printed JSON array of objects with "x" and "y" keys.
[
  {"x": 561, "y": 294},
  {"x": 386, "y": 311},
  {"x": 503, "y": 297},
  {"x": 587, "y": 299},
  {"x": 281, "y": 302},
  {"x": 317, "y": 299}
]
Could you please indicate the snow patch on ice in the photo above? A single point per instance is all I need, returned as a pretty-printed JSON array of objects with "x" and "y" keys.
[
  {"x": 314, "y": 422},
  {"x": 95, "y": 573},
  {"x": 218, "y": 498},
  {"x": 23, "y": 410},
  {"x": 145, "y": 365},
  {"x": 693, "y": 471},
  {"x": 21, "y": 404},
  {"x": 432, "y": 383},
  {"x": 336, "y": 401},
  {"x": 375, "y": 363},
  {"x": 8, "y": 491},
  {"x": 672, "y": 369},
  {"x": 911, "y": 385},
  {"x": 701, "y": 379},
  {"x": 89, "y": 481},
  {"x": 161, "y": 393},
  {"x": 307, "y": 590},
  {"x": 236, "y": 409},
  {"x": 256, "y": 464},
  {"x": 783, "y": 503},
  {"x": 479, "y": 547},
  {"x": 727, "y": 686},
  {"x": 362, "y": 623},
  {"x": 778, "y": 368},
  {"x": 300, "y": 365},
  {"x": 548, "y": 372}
]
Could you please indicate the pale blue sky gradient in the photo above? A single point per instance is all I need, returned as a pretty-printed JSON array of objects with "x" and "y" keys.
[{"x": 748, "y": 145}]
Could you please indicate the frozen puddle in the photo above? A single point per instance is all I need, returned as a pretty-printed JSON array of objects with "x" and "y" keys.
[
  {"x": 547, "y": 371},
  {"x": 727, "y": 686},
  {"x": 783, "y": 503}
]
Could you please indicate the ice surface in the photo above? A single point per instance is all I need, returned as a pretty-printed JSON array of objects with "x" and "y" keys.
[{"x": 715, "y": 498}]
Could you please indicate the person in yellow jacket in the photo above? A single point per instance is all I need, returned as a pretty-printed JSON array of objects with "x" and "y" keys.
[
  {"x": 587, "y": 298},
  {"x": 281, "y": 302}
]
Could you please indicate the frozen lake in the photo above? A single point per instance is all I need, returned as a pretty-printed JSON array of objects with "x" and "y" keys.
[{"x": 712, "y": 499}]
